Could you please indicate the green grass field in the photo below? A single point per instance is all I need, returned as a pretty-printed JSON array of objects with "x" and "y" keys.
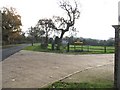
[
  {"x": 74, "y": 50},
  {"x": 80, "y": 85},
  {"x": 86, "y": 48}
]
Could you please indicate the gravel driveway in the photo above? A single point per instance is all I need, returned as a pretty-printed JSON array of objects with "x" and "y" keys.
[{"x": 28, "y": 69}]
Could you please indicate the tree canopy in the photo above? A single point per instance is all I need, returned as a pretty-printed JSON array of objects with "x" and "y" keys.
[
  {"x": 11, "y": 22},
  {"x": 47, "y": 26}
]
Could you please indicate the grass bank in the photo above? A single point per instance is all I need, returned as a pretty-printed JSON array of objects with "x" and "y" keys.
[{"x": 80, "y": 85}]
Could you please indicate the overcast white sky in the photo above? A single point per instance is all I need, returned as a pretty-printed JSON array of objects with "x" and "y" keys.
[{"x": 95, "y": 20}]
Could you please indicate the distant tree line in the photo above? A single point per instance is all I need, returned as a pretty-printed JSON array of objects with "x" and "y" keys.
[
  {"x": 92, "y": 42},
  {"x": 95, "y": 42},
  {"x": 88, "y": 41}
]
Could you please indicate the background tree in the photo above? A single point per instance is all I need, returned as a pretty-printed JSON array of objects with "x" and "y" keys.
[
  {"x": 110, "y": 42},
  {"x": 47, "y": 26},
  {"x": 34, "y": 34},
  {"x": 11, "y": 22},
  {"x": 64, "y": 24},
  {"x": 22, "y": 38}
]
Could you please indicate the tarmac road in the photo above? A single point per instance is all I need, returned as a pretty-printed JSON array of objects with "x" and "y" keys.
[{"x": 10, "y": 51}]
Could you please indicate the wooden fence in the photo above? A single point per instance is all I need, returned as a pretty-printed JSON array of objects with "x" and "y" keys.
[{"x": 88, "y": 48}]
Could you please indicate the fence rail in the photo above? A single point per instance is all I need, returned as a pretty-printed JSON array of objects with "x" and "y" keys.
[
  {"x": 88, "y": 48},
  {"x": 85, "y": 48}
]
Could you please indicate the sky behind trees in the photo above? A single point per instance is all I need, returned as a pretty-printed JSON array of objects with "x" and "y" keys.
[{"x": 95, "y": 20}]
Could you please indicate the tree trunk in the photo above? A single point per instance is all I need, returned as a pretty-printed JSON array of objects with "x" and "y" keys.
[
  {"x": 63, "y": 32},
  {"x": 46, "y": 41},
  {"x": 59, "y": 41}
]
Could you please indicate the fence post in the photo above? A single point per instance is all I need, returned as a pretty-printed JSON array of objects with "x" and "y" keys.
[
  {"x": 88, "y": 48},
  {"x": 82, "y": 48},
  {"x": 68, "y": 47},
  {"x": 1, "y": 50},
  {"x": 117, "y": 57},
  {"x": 74, "y": 47},
  {"x": 105, "y": 49},
  {"x": 53, "y": 46}
]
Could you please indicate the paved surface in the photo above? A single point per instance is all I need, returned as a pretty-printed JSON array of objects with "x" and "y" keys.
[
  {"x": 9, "y": 51},
  {"x": 28, "y": 69},
  {"x": 99, "y": 74},
  {"x": 5, "y": 53}
]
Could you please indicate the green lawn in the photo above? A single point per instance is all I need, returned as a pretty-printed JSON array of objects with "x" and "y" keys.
[
  {"x": 80, "y": 85},
  {"x": 74, "y": 50},
  {"x": 36, "y": 47}
]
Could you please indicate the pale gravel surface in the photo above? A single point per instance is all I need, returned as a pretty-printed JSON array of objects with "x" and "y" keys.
[
  {"x": 28, "y": 69},
  {"x": 101, "y": 74}
]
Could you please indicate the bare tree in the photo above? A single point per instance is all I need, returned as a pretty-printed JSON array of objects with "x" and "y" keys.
[
  {"x": 32, "y": 34},
  {"x": 73, "y": 13}
]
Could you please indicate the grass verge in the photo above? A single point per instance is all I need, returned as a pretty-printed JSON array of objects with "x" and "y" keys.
[
  {"x": 8, "y": 46},
  {"x": 38, "y": 48},
  {"x": 80, "y": 85}
]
